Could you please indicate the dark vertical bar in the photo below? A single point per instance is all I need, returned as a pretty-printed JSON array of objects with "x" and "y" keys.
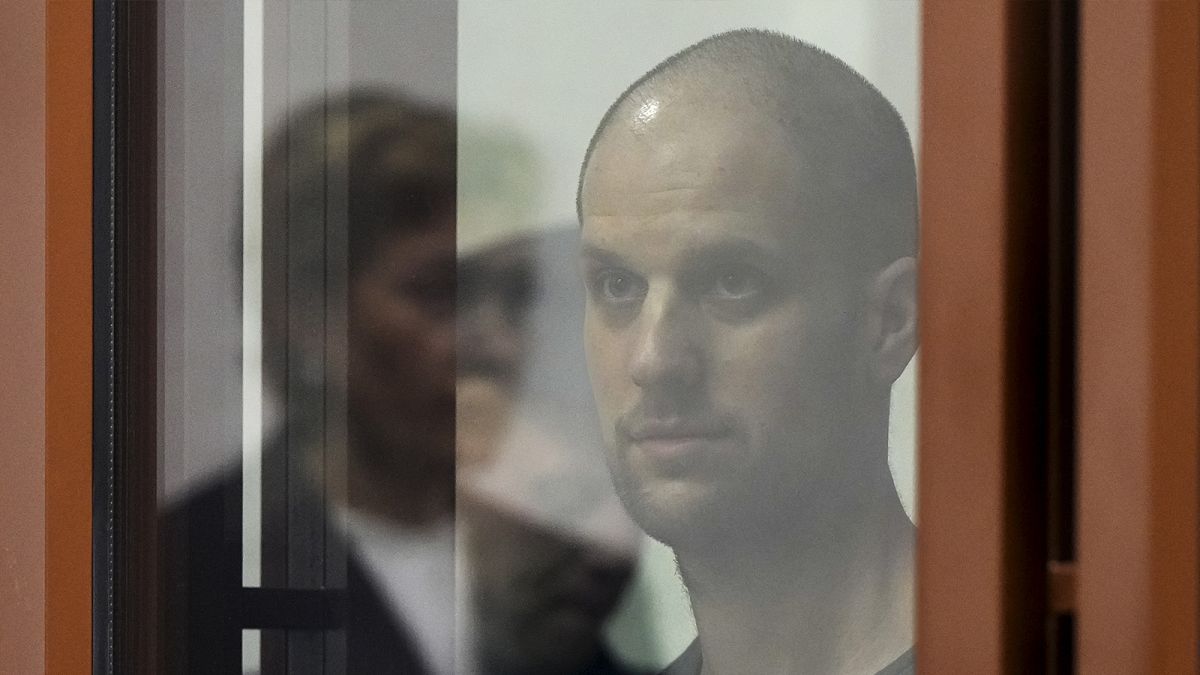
[
  {"x": 1060, "y": 455},
  {"x": 1027, "y": 310},
  {"x": 134, "y": 321},
  {"x": 103, "y": 232},
  {"x": 1063, "y": 194}
]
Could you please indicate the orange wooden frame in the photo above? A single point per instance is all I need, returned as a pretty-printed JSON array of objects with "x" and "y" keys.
[
  {"x": 982, "y": 597},
  {"x": 960, "y": 549},
  {"x": 68, "y": 336},
  {"x": 1139, "y": 338},
  {"x": 22, "y": 336},
  {"x": 46, "y": 256}
]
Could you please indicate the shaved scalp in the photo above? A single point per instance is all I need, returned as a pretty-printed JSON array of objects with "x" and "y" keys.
[{"x": 851, "y": 146}]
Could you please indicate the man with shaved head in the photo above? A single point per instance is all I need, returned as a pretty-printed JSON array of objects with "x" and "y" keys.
[{"x": 749, "y": 217}]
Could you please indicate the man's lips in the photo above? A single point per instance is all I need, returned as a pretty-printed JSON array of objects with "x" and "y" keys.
[
  {"x": 675, "y": 430},
  {"x": 671, "y": 441}
]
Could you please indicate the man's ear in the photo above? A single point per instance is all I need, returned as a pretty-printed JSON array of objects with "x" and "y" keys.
[{"x": 891, "y": 321}]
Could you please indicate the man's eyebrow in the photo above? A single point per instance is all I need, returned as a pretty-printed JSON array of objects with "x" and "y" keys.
[
  {"x": 593, "y": 252},
  {"x": 733, "y": 249}
]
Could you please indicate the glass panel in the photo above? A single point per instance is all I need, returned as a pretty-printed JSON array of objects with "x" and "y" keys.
[
  {"x": 407, "y": 345},
  {"x": 749, "y": 227},
  {"x": 307, "y": 154}
]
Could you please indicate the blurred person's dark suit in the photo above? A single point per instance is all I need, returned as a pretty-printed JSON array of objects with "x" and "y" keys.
[{"x": 204, "y": 577}]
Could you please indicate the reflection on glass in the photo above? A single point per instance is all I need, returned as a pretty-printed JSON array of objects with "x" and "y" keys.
[
  {"x": 545, "y": 548},
  {"x": 370, "y": 537},
  {"x": 471, "y": 377},
  {"x": 390, "y": 515}
]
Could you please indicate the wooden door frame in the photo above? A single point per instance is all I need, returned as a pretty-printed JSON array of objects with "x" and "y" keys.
[
  {"x": 22, "y": 336},
  {"x": 995, "y": 330},
  {"x": 1095, "y": 510},
  {"x": 1139, "y": 408},
  {"x": 69, "y": 344},
  {"x": 46, "y": 340}
]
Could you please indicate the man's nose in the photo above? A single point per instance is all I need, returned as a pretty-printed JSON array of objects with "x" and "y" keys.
[{"x": 667, "y": 352}]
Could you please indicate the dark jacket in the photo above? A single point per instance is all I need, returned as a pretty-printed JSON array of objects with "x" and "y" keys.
[{"x": 206, "y": 607}]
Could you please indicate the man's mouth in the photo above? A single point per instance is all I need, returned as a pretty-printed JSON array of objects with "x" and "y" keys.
[{"x": 677, "y": 441}]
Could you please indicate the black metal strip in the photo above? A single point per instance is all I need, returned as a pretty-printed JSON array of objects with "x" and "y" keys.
[
  {"x": 1064, "y": 150},
  {"x": 1026, "y": 320},
  {"x": 127, "y": 462},
  {"x": 103, "y": 334},
  {"x": 290, "y": 608},
  {"x": 1061, "y": 364}
]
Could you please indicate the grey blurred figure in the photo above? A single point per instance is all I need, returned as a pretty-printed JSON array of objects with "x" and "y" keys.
[{"x": 546, "y": 549}]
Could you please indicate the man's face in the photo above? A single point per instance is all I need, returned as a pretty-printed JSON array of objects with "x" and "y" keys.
[{"x": 720, "y": 340}]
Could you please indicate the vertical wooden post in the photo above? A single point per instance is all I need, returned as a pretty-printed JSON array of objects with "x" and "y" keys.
[
  {"x": 984, "y": 308},
  {"x": 1139, "y": 314},
  {"x": 22, "y": 334},
  {"x": 68, "y": 478}
]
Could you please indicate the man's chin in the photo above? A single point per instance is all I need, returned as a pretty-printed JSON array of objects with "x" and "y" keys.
[{"x": 676, "y": 512}]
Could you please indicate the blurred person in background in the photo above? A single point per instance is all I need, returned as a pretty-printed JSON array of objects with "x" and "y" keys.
[
  {"x": 546, "y": 548},
  {"x": 389, "y": 506}
]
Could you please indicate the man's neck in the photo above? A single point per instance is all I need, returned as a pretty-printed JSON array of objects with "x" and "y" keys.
[{"x": 810, "y": 600}]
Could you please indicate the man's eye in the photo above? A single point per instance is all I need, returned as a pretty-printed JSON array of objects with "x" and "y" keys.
[
  {"x": 618, "y": 287},
  {"x": 738, "y": 285}
]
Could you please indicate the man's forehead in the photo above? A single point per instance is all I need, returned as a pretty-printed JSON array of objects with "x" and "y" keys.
[
  {"x": 701, "y": 159},
  {"x": 663, "y": 245}
]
